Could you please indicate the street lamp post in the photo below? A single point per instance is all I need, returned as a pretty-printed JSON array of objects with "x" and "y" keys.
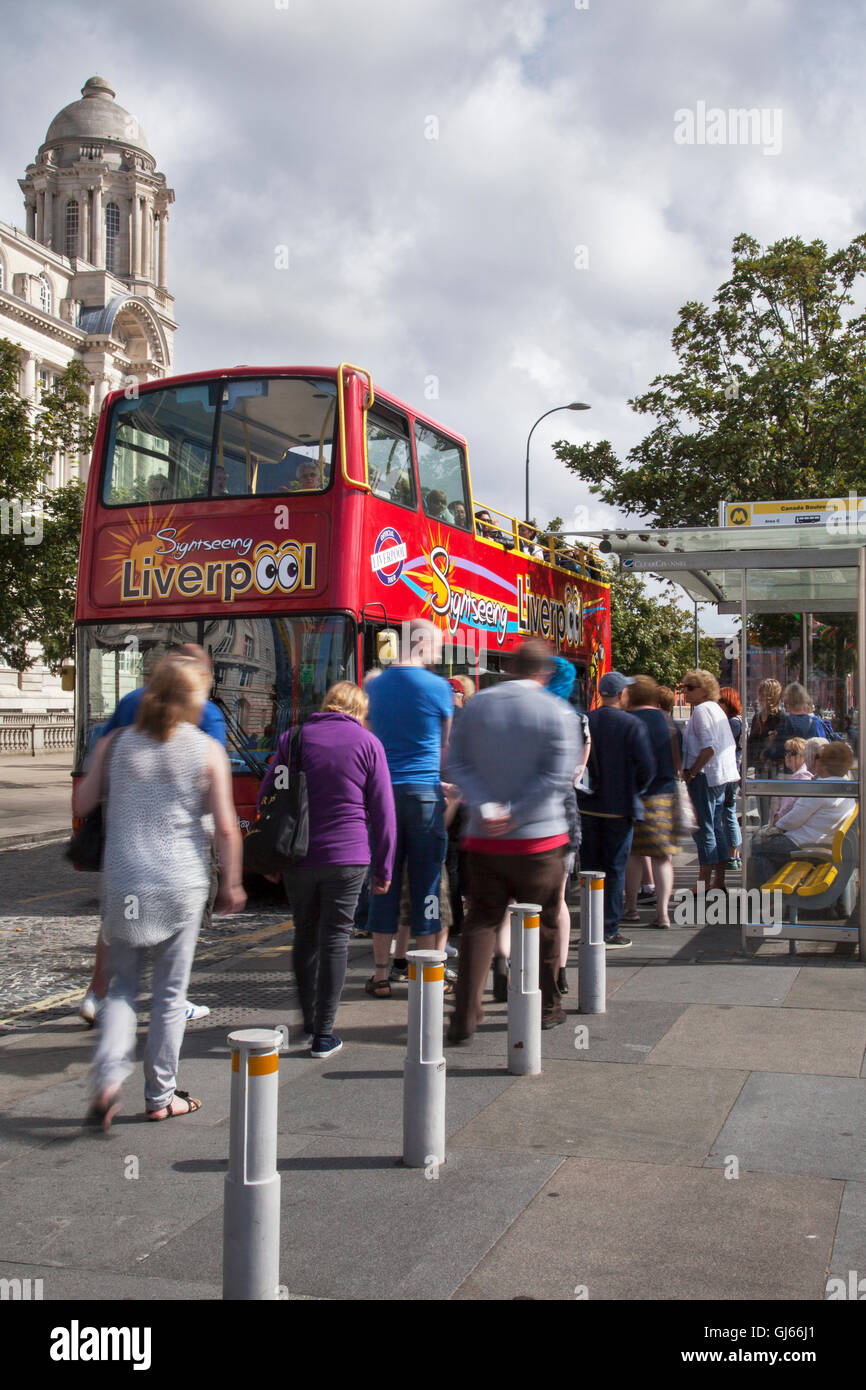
[{"x": 575, "y": 405}]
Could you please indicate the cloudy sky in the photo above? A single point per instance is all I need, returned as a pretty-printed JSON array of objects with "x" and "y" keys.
[{"x": 483, "y": 198}]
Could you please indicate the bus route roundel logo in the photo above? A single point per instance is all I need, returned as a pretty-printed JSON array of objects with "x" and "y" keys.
[{"x": 389, "y": 556}]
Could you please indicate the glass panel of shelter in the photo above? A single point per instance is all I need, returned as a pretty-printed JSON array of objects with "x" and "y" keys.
[{"x": 801, "y": 727}]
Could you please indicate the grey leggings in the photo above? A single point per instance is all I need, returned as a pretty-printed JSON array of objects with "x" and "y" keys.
[
  {"x": 172, "y": 962},
  {"x": 323, "y": 901}
]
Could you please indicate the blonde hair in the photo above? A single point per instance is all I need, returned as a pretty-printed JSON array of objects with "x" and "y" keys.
[
  {"x": 811, "y": 750},
  {"x": 797, "y": 745},
  {"x": 468, "y": 686},
  {"x": 174, "y": 695},
  {"x": 344, "y": 697},
  {"x": 706, "y": 682},
  {"x": 772, "y": 693}
]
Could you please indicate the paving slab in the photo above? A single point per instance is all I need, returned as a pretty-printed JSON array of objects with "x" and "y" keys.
[
  {"x": 797, "y": 1124},
  {"x": 832, "y": 988},
  {"x": 619, "y": 1231},
  {"x": 849, "y": 1247},
  {"x": 711, "y": 984},
  {"x": 609, "y": 1110},
  {"x": 53, "y": 1112},
  {"x": 359, "y": 1094},
  {"x": 627, "y": 1032},
  {"x": 765, "y": 1039},
  {"x": 80, "y": 1202},
  {"x": 358, "y": 1225},
  {"x": 615, "y": 977}
]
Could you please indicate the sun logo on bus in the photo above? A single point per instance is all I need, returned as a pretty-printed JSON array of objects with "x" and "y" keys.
[
  {"x": 140, "y": 543},
  {"x": 277, "y": 567},
  {"x": 435, "y": 584}
]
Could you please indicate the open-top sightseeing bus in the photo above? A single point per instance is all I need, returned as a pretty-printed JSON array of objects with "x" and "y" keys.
[{"x": 290, "y": 520}]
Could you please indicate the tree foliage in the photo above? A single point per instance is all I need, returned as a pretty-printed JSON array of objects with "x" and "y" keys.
[
  {"x": 653, "y": 637},
  {"x": 40, "y": 529},
  {"x": 769, "y": 398}
]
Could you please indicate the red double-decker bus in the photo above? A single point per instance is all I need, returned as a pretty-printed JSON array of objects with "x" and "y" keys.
[{"x": 285, "y": 518}]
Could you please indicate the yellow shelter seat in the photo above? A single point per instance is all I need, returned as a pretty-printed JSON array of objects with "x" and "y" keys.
[
  {"x": 787, "y": 879},
  {"x": 819, "y": 879},
  {"x": 820, "y": 874}
]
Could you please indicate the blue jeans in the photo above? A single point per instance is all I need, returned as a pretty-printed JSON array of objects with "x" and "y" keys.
[
  {"x": 733, "y": 834},
  {"x": 709, "y": 804},
  {"x": 421, "y": 844},
  {"x": 605, "y": 848}
]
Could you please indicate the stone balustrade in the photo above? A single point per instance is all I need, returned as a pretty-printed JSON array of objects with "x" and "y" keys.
[{"x": 30, "y": 735}]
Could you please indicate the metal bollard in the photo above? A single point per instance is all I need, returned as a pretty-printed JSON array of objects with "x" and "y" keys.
[
  {"x": 591, "y": 963},
  {"x": 251, "y": 1214},
  {"x": 524, "y": 995},
  {"x": 424, "y": 1068}
]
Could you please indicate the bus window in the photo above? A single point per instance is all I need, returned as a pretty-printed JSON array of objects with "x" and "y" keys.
[
  {"x": 442, "y": 471},
  {"x": 277, "y": 437},
  {"x": 115, "y": 658},
  {"x": 271, "y": 672},
  {"x": 389, "y": 462},
  {"x": 273, "y": 434},
  {"x": 159, "y": 446}
]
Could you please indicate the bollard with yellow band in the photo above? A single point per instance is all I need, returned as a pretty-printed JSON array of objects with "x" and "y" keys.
[
  {"x": 591, "y": 964},
  {"x": 424, "y": 1068},
  {"x": 524, "y": 995},
  {"x": 251, "y": 1216}
]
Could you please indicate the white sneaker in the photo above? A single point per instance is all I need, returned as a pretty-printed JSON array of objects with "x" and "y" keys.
[
  {"x": 194, "y": 1011},
  {"x": 449, "y": 949},
  {"x": 89, "y": 1007}
]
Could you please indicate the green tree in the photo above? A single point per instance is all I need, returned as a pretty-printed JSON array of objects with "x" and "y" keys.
[
  {"x": 769, "y": 398},
  {"x": 40, "y": 529},
  {"x": 651, "y": 636}
]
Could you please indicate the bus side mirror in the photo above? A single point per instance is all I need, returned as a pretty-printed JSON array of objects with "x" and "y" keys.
[
  {"x": 67, "y": 678},
  {"x": 388, "y": 645}
]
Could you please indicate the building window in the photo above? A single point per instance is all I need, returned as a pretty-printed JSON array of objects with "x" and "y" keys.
[
  {"x": 46, "y": 299},
  {"x": 112, "y": 231},
  {"x": 2, "y": 274},
  {"x": 72, "y": 228}
]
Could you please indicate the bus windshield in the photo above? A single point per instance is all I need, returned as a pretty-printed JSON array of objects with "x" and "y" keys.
[
  {"x": 249, "y": 436},
  {"x": 268, "y": 673}
]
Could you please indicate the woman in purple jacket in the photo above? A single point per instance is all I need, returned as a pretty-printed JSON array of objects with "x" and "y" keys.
[{"x": 347, "y": 782}]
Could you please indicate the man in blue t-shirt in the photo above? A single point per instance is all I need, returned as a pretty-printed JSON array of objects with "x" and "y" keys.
[{"x": 411, "y": 712}]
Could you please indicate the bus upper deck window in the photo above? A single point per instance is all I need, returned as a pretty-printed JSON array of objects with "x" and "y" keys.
[{"x": 444, "y": 481}]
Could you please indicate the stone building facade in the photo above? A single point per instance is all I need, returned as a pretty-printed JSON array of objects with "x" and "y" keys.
[{"x": 86, "y": 280}]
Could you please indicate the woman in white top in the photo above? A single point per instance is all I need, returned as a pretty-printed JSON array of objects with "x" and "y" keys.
[
  {"x": 709, "y": 763},
  {"x": 166, "y": 789}
]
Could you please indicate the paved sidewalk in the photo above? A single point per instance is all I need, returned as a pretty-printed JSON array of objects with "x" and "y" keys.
[
  {"x": 703, "y": 1139},
  {"x": 35, "y": 798}
]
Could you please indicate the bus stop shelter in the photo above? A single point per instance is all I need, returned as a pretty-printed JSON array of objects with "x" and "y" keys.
[{"x": 815, "y": 571}]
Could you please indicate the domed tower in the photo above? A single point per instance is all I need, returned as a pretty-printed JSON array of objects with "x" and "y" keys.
[{"x": 95, "y": 198}]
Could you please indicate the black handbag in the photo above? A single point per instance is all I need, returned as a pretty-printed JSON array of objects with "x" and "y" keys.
[
  {"x": 281, "y": 833},
  {"x": 87, "y": 846}
]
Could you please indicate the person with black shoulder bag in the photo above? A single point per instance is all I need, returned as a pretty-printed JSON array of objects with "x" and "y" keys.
[{"x": 314, "y": 803}]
